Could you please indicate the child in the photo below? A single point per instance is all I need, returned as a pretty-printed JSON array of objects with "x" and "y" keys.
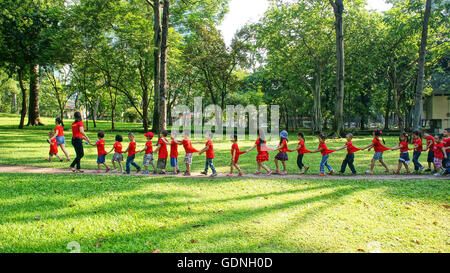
[
  {"x": 235, "y": 153},
  {"x": 446, "y": 141},
  {"x": 301, "y": 151},
  {"x": 117, "y": 157},
  {"x": 379, "y": 149},
  {"x": 53, "y": 148},
  {"x": 282, "y": 155},
  {"x": 430, "y": 147},
  {"x": 174, "y": 153},
  {"x": 189, "y": 150},
  {"x": 162, "y": 152},
  {"x": 350, "y": 157},
  {"x": 325, "y": 156},
  {"x": 439, "y": 154},
  {"x": 131, "y": 155},
  {"x": 262, "y": 155},
  {"x": 101, "y": 152},
  {"x": 418, "y": 148},
  {"x": 59, "y": 136},
  {"x": 209, "y": 149},
  {"x": 148, "y": 156},
  {"x": 404, "y": 154}
]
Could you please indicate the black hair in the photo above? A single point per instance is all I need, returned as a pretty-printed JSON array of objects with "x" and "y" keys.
[
  {"x": 101, "y": 134},
  {"x": 119, "y": 138},
  {"x": 235, "y": 137},
  {"x": 440, "y": 136},
  {"x": 164, "y": 133},
  {"x": 261, "y": 140},
  {"x": 379, "y": 133},
  {"x": 59, "y": 121},
  {"x": 301, "y": 134},
  {"x": 406, "y": 135},
  {"x": 447, "y": 129},
  {"x": 77, "y": 116},
  {"x": 281, "y": 139},
  {"x": 322, "y": 136},
  {"x": 417, "y": 133}
]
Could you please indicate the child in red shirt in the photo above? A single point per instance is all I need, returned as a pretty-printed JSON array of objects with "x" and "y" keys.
[
  {"x": 189, "y": 150},
  {"x": 282, "y": 155},
  {"x": 263, "y": 154},
  {"x": 53, "y": 148},
  {"x": 235, "y": 153},
  {"x": 350, "y": 157},
  {"x": 418, "y": 148},
  {"x": 117, "y": 157},
  {"x": 325, "y": 156},
  {"x": 439, "y": 154},
  {"x": 379, "y": 149},
  {"x": 101, "y": 152},
  {"x": 301, "y": 149},
  {"x": 209, "y": 149},
  {"x": 404, "y": 154},
  {"x": 148, "y": 156},
  {"x": 131, "y": 155},
  {"x": 162, "y": 152},
  {"x": 430, "y": 147},
  {"x": 174, "y": 153}
]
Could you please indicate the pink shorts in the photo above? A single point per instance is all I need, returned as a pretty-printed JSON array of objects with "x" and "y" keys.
[{"x": 437, "y": 163}]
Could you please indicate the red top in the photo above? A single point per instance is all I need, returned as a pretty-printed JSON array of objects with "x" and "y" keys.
[
  {"x": 378, "y": 147},
  {"x": 100, "y": 147},
  {"x": 437, "y": 150},
  {"x": 261, "y": 150},
  {"x": 188, "y": 146},
  {"x": 163, "y": 149},
  {"x": 350, "y": 148},
  {"x": 60, "y": 130},
  {"x": 210, "y": 151},
  {"x": 132, "y": 148},
  {"x": 285, "y": 148},
  {"x": 76, "y": 129},
  {"x": 235, "y": 149},
  {"x": 118, "y": 147},
  {"x": 325, "y": 150},
  {"x": 173, "y": 149},
  {"x": 403, "y": 146},
  {"x": 430, "y": 140},
  {"x": 447, "y": 142},
  {"x": 53, "y": 147},
  {"x": 419, "y": 147},
  {"x": 148, "y": 147},
  {"x": 302, "y": 149}
]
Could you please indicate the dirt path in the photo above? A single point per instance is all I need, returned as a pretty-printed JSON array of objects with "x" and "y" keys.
[{"x": 44, "y": 170}]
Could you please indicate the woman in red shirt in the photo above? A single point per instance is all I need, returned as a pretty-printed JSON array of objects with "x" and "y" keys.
[
  {"x": 282, "y": 155},
  {"x": 404, "y": 154},
  {"x": 78, "y": 135}
]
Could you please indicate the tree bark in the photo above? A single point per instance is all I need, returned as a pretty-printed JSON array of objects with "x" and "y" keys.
[
  {"x": 163, "y": 67},
  {"x": 13, "y": 103},
  {"x": 387, "y": 110},
  {"x": 317, "y": 122},
  {"x": 33, "y": 111},
  {"x": 338, "y": 7},
  {"x": 23, "y": 112},
  {"x": 95, "y": 112},
  {"x": 156, "y": 66},
  {"x": 418, "y": 107}
]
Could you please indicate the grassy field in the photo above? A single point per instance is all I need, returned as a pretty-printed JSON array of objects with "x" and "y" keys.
[
  {"x": 29, "y": 147},
  {"x": 43, "y": 213}
]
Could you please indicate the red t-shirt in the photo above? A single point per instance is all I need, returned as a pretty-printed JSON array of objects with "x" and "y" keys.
[
  {"x": 163, "y": 149},
  {"x": 118, "y": 147},
  {"x": 377, "y": 146},
  {"x": 100, "y": 147},
  {"x": 188, "y": 146},
  {"x": 350, "y": 148},
  {"x": 438, "y": 151},
  {"x": 53, "y": 147},
  {"x": 210, "y": 151},
  {"x": 447, "y": 142},
  {"x": 60, "y": 130},
  {"x": 302, "y": 149},
  {"x": 76, "y": 129},
  {"x": 260, "y": 149},
  {"x": 148, "y": 147},
  {"x": 237, "y": 153},
  {"x": 132, "y": 148},
  {"x": 430, "y": 140},
  {"x": 419, "y": 147},
  {"x": 285, "y": 148},
  {"x": 325, "y": 150},
  {"x": 173, "y": 149},
  {"x": 403, "y": 146}
]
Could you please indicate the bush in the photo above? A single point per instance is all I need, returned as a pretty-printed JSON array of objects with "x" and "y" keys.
[{"x": 131, "y": 115}]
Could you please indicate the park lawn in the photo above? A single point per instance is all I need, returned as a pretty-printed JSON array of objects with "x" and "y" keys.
[
  {"x": 29, "y": 147},
  {"x": 44, "y": 212}
]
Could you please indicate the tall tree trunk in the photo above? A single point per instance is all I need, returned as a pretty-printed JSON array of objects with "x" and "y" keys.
[
  {"x": 156, "y": 66},
  {"x": 418, "y": 107},
  {"x": 23, "y": 112},
  {"x": 33, "y": 111},
  {"x": 163, "y": 67},
  {"x": 397, "y": 108},
  {"x": 338, "y": 7},
  {"x": 13, "y": 103},
  {"x": 387, "y": 110},
  {"x": 317, "y": 122}
]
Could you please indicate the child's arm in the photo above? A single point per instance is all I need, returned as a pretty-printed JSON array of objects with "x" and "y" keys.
[
  {"x": 178, "y": 142},
  {"x": 341, "y": 148},
  {"x": 367, "y": 147},
  {"x": 296, "y": 148},
  {"x": 445, "y": 153},
  {"x": 251, "y": 148},
  {"x": 317, "y": 150},
  {"x": 204, "y": 149},
  {"x": 157, "y": 149},
  {"x": 396, "y": 148},
  {"x": 111, "y": 150},
  {"x": 233, "y": 155}
]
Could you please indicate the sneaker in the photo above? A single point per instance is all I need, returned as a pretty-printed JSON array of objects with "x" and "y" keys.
[
  {"x": 174, "y": 173},
  {"x": 437, "y": 174},
  {"x": 161, "y": 172},
  {"x": 284, "y": 173},
  {"x": 276, "y": 172},
  {"x": 155, "y": 172},
  {"x": 330, "y": 173},
  {"x": 306, "y": 169},
  {"x": 204, "y": 173},
  {"x": 114, "y": 170},
  {"x": 96, "y": 171},
  {"x": 257, "y": 173},
  {"x": 230, "y": 175},
  {"x": 395, "y": 172},
  {"x": 386, "y": 171},
  {"x": 240, "y": 174},
  {"x": 428, "y": 170},
  {"x": 369, "y": 172},
  {"x": 138, "y": 170},
  {"x": 107, "y": 170},
  {"x": 145, "y": 172},
  {"x": 187, "y": 174},
  {"x": 178, "y": 171},
  {"x": 421, "y": 169},
  {"x": 213, "y": 175},
  {"x": 321, "y": 174},
  {"x": 269, "y": 173}
]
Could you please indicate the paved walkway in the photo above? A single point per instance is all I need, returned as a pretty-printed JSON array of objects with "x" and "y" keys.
[{"x": 44, "y": 170}]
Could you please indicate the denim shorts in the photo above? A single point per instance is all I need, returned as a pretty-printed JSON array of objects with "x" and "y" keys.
[
  {"x": 378, "y": 156},
  {"x": 148, "y": 159},
  {"x": 101, "y": 159},
  {"x": 404, "y": 158},
  {"x": 60, "y": 140},
  {"x": 174, "y": 162}
]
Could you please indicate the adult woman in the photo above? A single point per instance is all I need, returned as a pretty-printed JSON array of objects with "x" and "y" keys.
[
  {"x": 78, "y": 135},
  {"x": 59, "y": 136}
]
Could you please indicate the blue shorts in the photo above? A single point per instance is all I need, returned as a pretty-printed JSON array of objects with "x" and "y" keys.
[
  {"x": 101, "y": 159},
  {"x": 404, "y": 158},
  {"x": 60, "y": 140},
  {"x": 378, "y": 156},
  {"x": 174, "y": 161}
]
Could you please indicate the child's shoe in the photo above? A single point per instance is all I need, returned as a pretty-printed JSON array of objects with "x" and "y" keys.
[
  {"x": 155, "y": 172},
  {"x": 257, "y": 173},
  {"x": 240, "y": 174},
  {"x": 114, "y": 170},
  {"x": 386, "y": 171},
  {"x": 306, "y": 169},
  {"x": 138, "y": 170},
  {"x": 437, "y": 174},
  {"x": 96, "y": 171},
  {"x": 269, "y": 173},
  {"x": 187, "y": 174},
  {"x": 47, "y": 159},
  {"x": 276, "y": 172},
  {"x": 321, "y": 174},
  {"x": 284, "y": 173},
  {"x": 108, "y": 169},
  {"x": 174, "y": 173},
  {"x": 144, "y": 172},
  {"x": 204, "y": 173},
  {"x": 369, "y": 172},
  {"x": 162, "y": 172},
  {"x": 68, "y": 159},
  {"x": 213, "y": 175},
  {"x": 395, "y": 172},
  {"x": 230, "y": 175},
  {"x": 330, "y": 173}
]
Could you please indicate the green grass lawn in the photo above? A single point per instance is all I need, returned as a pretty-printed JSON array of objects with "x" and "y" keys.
[
  {"x": 43, "y": 213},
  {"x": 29, "y": 147}
]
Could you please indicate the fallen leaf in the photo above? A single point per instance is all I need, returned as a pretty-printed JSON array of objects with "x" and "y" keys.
[
  {"x": 435, "y": 223},
  {"x": 147, "y": 243},
  {"x": 71, "y": 205},
  {"x": 37, "y": 217},
  {"x": 358, "y": 201},
  {"x": 96, "y": 245},
  {"x": 416, "y": 241},
  {"x": 361, "y": 250},
  {"x": 446, "y": 206},
  {"x": 220, "y": 211},
  {"x": 100, "y": 240},
  {"x": 189, "y": 208},
  {"x": 55, "y": 191},
  {"x": 155, "y": 250},
  {"x": 406, "y": 207},
  {"x": 196, "y": 226},
  {"x": 72, "y": 230},
  {"x": 193, "y": 241}
]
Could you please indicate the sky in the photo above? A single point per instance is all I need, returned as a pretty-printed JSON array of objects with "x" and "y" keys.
[{"x": 244, "y": 11}]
